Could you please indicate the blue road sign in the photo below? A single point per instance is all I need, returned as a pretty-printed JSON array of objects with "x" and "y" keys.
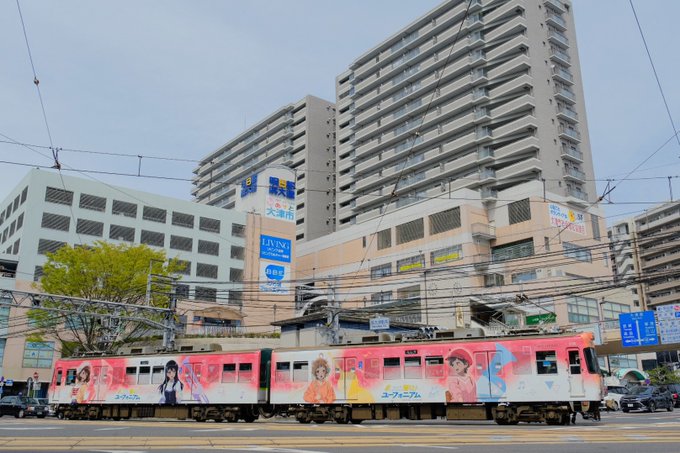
[{"x": 638, "y": 329}]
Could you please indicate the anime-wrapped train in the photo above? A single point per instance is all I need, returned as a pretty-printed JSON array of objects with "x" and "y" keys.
[{"x": 545, "y": 378}]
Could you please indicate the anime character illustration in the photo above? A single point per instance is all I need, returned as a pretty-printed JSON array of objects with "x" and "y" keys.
[
  {"x": 171, "y": 387},
  {"x": 461, "y": 387},
  {"x": 79, "y": 392},
  {"x": 192, "y": 377},
  {"x": 320, "y": 390}
]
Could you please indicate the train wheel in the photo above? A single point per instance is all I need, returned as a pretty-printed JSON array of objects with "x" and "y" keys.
[{"x": 249, "y": 418}]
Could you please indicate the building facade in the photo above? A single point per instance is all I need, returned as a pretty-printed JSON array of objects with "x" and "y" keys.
[
  {"x": 483, "y": 99},
  {"x": 300, "y": 136},
  {"x": 47, "y": 211}
]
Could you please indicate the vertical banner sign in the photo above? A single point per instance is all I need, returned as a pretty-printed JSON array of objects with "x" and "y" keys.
[
  {"x": 567, "y": 218},
  {"x": 274, "y": 278},
  {"x": 280, "y": 203}
]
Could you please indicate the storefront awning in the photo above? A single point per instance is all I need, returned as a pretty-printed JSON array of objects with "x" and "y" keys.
[
  {"x": 220, "y": 313},
  {"x": 638, "y": 375}
]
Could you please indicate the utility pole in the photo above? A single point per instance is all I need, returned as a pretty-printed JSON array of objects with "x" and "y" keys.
[{"x": 170, "y": 327}]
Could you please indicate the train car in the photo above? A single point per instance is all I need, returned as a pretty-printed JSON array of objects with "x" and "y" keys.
[
  {"x": 220, "y": 385},
  {"x": 507, "y": 379}
]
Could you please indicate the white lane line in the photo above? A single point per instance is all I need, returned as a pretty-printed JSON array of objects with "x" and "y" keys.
[
  {"x": 32, "y": 428},
  {"x": 112, "y": 429}
]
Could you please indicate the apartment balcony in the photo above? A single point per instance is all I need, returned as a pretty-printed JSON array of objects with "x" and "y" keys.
[
  {"x": 557, "y": 5},
  {"x": 668, "y": 258},
  {"x": 574, "y": 174},
  {"x": 485, "y": 155},
  {"x": 577, "y": 196},
  {"x": 568, "y": 114},
  {"x": 486, "y": 176},
  {"x": 664, "y": 286},
  {"x": 560, "y": 56},
  {"x": 670, "y": 220},
  {"x": 508, "y": 152},
  {"x": 565, "y": 94},
  {"x": 518, "y": 105},
  {"x": 481, "y": 261},
  {"x": 662, "y": 300},
  {"x": 488, "y": 194},
  {"x": 483, "y": 231},
  {"x": 557, "y": 37},
  {"x": 569, "y": 133},
  {"x": 521, "y": 169},
  {"x": 563, "y": 75},
  {"x": 572, "y": 154},
  {"x": 511, "y": 67},
  {"x": 519, "y": 126},
  {"x": 556, "y": 20}
]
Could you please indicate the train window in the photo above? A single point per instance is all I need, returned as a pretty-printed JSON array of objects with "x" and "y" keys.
[
  {"x": 130, "y": 374},
  {"x": 413, "y": 369},
  {"x": 523, "y": 363},
  {"x": 70, "y": 376},
  {"x": 283, "y": 371},
  {"x": 229, "y": 372},
  {"x": 546, "y": 362},
  {"x": 157, "y": 375},
  {"x": 300, "y": 371},
  {"x": 372, "y": 370},
  {"x": 591, "y": 361},
  {"x": 434, "y": 367},
  {"x": 58, "y": 378},
  {"x": 392, "y": 368},
  {"x": 144, "y": 376},
  {"x": 574, "y": 362},
  {"x": 245, "y": 372}
]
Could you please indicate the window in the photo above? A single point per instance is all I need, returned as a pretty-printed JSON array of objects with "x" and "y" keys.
[
  {"x": 20, "y": 221},
  {"x": 612, "y": 310},
  {"x": 595, "y": 223},
  {"x": 182, "y": 291},
  {"x": 37, "y": 273},
  {"x": 123, "y": 208},
  {"x": 434, "y": 367},
  {"x": 382, "y": 297},
  {"x": 446, "y": 255},
  {"x": 70, "y": 376},
  {"x": 235, "y": 297},
  {"x": 130, "y": 375},
  {"x": 413, "y": 368},
  {"x": 90, "y": 228},
  {"x": 15, "y": 247},
  {"x": 582, "y": 310},
  {"x": 121, "y": 233},
  {"x": 524, "y": 276},
  {"x": 245, "y": 372},
  {"x": 384, "y": 239},
  {"x": 235, "y": 275},
  {"x": 144, "y": 376},
  {"x": 238, "y": 230},
  {"x": 183, "y": 220},
  {"x": 384, "y": 270},
  {"x": 411, "y": 263},
  {"x": 445, "y": 221},
  {"x": 300, "y": 371},
  {"x": 154, "y": 214},
  {"x": 38, "y": 354},
  {"x": 229, "y": 372},
  {"x": 208, "y": 248},
  {"x": 392, "y": 368},
  {"x": 207, "y": 294},
  {"x": 591, "y": 361},
  {"x": 184, "y": 267},
  {"x": 208, "y": 224},
  {"x": 46, "y": 246},
  {"x": 519, "y": 211},
  {"x": 282, "y": 373},
  {"x": 515, "y": 250},
  {"x": 546, "y": 362},
  {"x": 410, "y": 231},
  {"x": 238, "y": 252},
  {"x": 206, "y": 270},
  {"x": 24, "y": 194},
  {"x": 577, "y": 252},
  {"x": 58, "y": 196},
  {"x": 181, "y": 243},
  {"x": 92, "y": 202},
  {"x": 58, "y": 377},
  {"x": 158, "y": 375},
  {"x": 152, "y": 238},
  {"x": 574, "y": 362},
  {"x": 55, "y": 221}
]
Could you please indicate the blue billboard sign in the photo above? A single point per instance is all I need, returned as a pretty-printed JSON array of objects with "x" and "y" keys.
[
  {"x": 248, "y": 186},
  {"x": 638, "y": 329},
  {"x": 275, "y": 249}
]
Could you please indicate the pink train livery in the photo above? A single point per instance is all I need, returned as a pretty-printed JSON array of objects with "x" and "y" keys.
[{"x": 530, "y": 378}]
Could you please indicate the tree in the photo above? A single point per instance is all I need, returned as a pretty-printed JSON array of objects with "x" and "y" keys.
[
  {"x": 107, "y": 272},
  {"x": 663, "y": 375}
]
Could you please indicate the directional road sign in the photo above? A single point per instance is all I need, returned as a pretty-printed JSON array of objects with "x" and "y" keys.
[{"x": 638, "y": 329}]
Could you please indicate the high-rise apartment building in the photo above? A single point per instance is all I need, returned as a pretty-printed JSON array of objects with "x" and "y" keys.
[
  {"x": 482, "y": 98},
  {"x": 300, "y": 136}
]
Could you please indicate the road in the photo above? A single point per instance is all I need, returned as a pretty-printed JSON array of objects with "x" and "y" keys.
[{"x": 620, "y": 433}]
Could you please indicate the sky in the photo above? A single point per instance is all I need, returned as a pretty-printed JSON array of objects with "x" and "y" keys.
[{"x": 177, "y": 79}]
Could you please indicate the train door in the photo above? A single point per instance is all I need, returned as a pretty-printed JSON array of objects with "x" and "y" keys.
[
  {"x": 490, "y": 385},
  {"x": 100, "y": 376},
  {"x": 576, "y": 387},
  {"x": 192, "y": 382},
  {"x": 345, "y": 373}
]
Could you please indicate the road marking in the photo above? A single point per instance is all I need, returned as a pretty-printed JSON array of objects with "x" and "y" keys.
[
  {"x": 283, "y": 450},
  {"x": 442, "y": 447},
  {"x": 31, "y": 428},
  {"x": 121, "y": 451},
  {"x": 112, "y": 429},
  {"x": 223, "y": 430}
]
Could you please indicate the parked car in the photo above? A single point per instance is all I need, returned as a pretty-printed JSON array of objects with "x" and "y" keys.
[
  {"x": 51, "y": 412},
  {"x": 612, "y": 399},
  {"x": 22, "y": 406},
  {"x": 675, "y": 393},
  {"x": 648, "y": 398}
]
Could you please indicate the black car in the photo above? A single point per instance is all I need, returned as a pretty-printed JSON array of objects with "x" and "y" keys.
[
  {"x": 675, "y": 393},
  {"x": 21, "y": 406},
  {"x": 647, "y": 398}
]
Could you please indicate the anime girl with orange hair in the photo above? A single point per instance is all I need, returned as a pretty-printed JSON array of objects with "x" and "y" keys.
[{"x": 320, "y": 390}]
